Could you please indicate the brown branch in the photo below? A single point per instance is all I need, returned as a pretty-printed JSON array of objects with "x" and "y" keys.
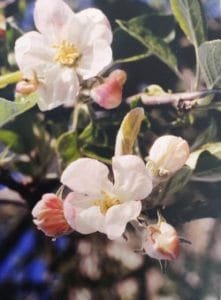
[{"x": 179, "y": 100}]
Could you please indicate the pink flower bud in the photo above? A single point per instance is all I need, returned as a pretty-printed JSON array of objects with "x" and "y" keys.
[
  {"x": 25, "y": 87},
  {"x": 168, "y": 154},
  {"x": 161, "y": 241},
  {"x": 109, "y": 93},
  {"x": 49, "y": 216}
]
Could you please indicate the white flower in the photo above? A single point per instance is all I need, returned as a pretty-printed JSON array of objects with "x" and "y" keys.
[
  {"x": 168, "y": 154},
  {"x": 101, "y": 205},
  {"x": 66, "y": 48}
]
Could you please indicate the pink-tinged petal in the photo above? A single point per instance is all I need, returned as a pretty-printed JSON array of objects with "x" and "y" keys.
[
  {"x": 49, "y": 216},
  {"x": 77, "y": 200},
  {"x": 169, "y": 152},
  {"x": 161, "y": 241},
  {"x": 80, "y": 215},
  {"x": 109, "y": 93},
  {"x": 94, "y": 59},
  {"x": 132, "y": 181},
  {"x": 87, "y": 176},
  {"x": 25, "y": 88},
  {"x": 118, "y": 216},
  {"x": 32, "y": 53},
  {"x": 52, "y": 19},
  {"x": 97, "y": 24},
  {"x": 59, "y": 86}
]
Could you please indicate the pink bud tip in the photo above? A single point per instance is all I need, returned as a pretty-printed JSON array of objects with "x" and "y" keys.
[
  {"x": 49, "y": 216},
  {"x": 109, "y": 93},
  {"x": 161, "y": 241},
  {"x": 25, "y": 87}
]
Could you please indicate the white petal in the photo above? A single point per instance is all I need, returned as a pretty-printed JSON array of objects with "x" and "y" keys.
[
  {"x": 89, "y": 220},
  {"x": 169, "y": 152},
  {"x": 80, "y": 216},
  {"x": 97, "y": 24},
  {"x": 94, "y": 59},
  {"x": 52, "y": 19},
  {"x": 95, "y": 41},
  {"x": 59, "y": 86},
  {"x": 32, "y": 53},
  {"x": 87, "y": 176},
  {"x": 79, "y": 201},
  {"x": 118, "y": 216},
  {"x": 132, "y": 181}
]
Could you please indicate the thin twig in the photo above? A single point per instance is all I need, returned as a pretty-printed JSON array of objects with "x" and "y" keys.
[{"x": 179, "y": 100}]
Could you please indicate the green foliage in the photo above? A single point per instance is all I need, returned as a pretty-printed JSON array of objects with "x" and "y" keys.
[
  {"x": 210, "y": 63},
  {"x": 67, "y": 147},
  {"x": 207, "y": 136},
  {"x": 212, "y": 148},
  {"x": 11, "y": 140},
  {"x": 155, "y": 38},
  {"x": 11, "y": 109},
  {"x": 178, "y": 181},
  {"x": 208, "y": 168},
  {"x": 190, "y": 17}
]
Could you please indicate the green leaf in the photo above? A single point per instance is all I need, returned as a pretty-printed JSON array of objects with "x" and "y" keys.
[
  {"x": 178, "y": 181},
  {"x": 212, "y": 148},
  {"x": 208, "y": 168},
  {"x": 206, "y": 136},
  {"x": 128, "y": 131},
  {"x": 190, "y": 17},
  {"x": 67, "y": 147},
  {"x": 210, "y": 63},
  {"x": 153, "y": 32},
  {"x": 11, "y": 140},
  {"x": 11, "y": 109}
]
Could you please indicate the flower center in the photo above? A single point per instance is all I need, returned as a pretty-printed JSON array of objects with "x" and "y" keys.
[
  {"x": 106, "y": 202},
  {"x": 67, "y": 54}
]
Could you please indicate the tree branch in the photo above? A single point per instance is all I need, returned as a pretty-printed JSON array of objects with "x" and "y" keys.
[{"x": 179, "y": 100}]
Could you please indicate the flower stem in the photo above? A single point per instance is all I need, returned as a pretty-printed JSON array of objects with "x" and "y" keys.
[{"x": 10, "y": 78}]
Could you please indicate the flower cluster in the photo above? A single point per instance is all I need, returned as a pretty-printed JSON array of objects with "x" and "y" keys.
[
  {"x": 63, "y": 58},
  {"x": 97, "y": 203}
]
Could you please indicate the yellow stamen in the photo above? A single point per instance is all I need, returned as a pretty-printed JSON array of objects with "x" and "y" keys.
[
  {"x": 67, "y": 54},
  {"x": 106, "y": 202}
]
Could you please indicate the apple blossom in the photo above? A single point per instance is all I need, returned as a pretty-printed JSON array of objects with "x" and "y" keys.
[
  {"x": 109, "y": 93},
  {"x": 49, "y": 216},
  {"x": 67, "y": 48},
  {"x": 161, "y": 241},
  {"x": 167, "y": 155},
  {"x": 100, "y": 204}
]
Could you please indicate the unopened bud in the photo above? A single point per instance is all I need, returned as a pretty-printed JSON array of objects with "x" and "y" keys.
[
  {"x": 25, "y": 87},
  {"x": 167, "y": 155},
  {"x": 109, "y": 93},
  {"x": 161, "y": 241},
  {"x": 49, "y": 216}
]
